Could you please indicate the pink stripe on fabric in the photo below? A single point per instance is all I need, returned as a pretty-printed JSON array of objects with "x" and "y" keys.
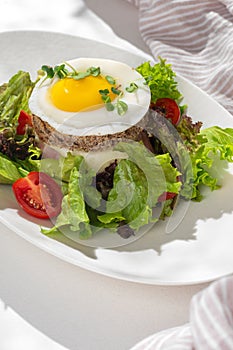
[
  {"x": 210, "y": 323},
  {"x": 196, "y": 37},
  {"x": 210, "y": 327},
  {"x": 178, "y": 338}
]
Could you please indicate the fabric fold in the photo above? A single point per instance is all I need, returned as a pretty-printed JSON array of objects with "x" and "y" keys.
[
  {"x": 196, "y": 38},
  {"x": 210, "y": 324}
]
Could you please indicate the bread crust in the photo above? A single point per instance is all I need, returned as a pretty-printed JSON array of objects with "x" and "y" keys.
[{"x": 52, "y": 137}]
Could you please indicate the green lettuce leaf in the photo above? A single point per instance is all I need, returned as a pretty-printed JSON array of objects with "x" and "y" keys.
[
  {"x": 210, "y": 145},
  {"x": 21, "y": 152},
  {"x": 161, "y": 176},
  {"x": 9, "y": 172},
  {"x": 14, "y": 97},
  {"x": 61, "y": 168},
  {"x": 161, "y": 80},
  {"x": 128, "y": 198},
  {"x": 218, "y": 141},
  {"x": 73, "y": 212},
  {"x": 68, "y": 163},
  {"x": 138, "y": 183},
  {"x": 80, "y": 196}
]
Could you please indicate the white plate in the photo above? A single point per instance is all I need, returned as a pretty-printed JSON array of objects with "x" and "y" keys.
[{"x": 199, "y": 249}]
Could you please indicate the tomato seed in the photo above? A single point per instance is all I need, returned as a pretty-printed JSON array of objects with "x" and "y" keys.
[{"x": 32, "y": 203}]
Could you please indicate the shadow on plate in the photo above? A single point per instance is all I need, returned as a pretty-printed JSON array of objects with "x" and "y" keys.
[
  {"x": 181, "y": 226},
  {"x": 213, "y": 206}
]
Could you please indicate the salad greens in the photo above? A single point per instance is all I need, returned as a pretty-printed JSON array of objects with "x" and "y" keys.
[
  {"x": 137, "y": 182},
  {"x": 161, "y": 80},
  {"x": 18, "y": 153},
  {"x": 13, "y": 98},
  {"x": 205, "y": 147},
  {"x": 9, "y": 172},
  {"x": 143, "y": 178},
  {"x": 12, "y": 170}
]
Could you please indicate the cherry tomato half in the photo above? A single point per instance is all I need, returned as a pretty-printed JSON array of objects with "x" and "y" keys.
[
  {"x": 23, "y": 120},
  {"x": 169, "y": 108},
  {"x": 38, "y": 194}
]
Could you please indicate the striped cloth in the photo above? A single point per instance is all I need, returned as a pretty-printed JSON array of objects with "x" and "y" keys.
[
  {"x": 196, "y": 37},
  {"x": 210, "y": 326}
]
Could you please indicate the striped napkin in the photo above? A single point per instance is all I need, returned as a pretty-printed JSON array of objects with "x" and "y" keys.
[
  {"x": 210, "y": 326},
  {"x": 196, "y": 37}
]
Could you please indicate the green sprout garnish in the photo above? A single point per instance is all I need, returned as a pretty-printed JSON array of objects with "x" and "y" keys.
[
  {"x": 110, "y": 80},
  {"x": 80, "y": 75},
  {"x": 105, "y": 95},
  {"x": 106, "y": 99},
  {"x": 59, "y": 71},
  {"x": 116, "y": 91},
  {"x": 122, "y": 107},
  {"x": 62, "y": 72},
  {"x": 48, "y": 70},
  {"x": 94, "y": 71},
  {"x": 132, "y": 87}
]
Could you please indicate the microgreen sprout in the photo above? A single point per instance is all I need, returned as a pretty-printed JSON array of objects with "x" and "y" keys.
[
  {"x": 106, "y": 99},
  {"x": 110, "y": 80},
  {"x": 120, "y": 105},
  {"x": 59, "y": 71},
  {"x": 80, "y": 75},
  {"x": 48, "y": 70},
  {"x": 104, "y": 95},
  {"x": 94, "y": 71},
  {"x": 116, "y": 91},
  {"x": 132, "y": 87},
  {"x": 109, "y": 106},
  {"x": 62, "y": 72},
  {"x": 71, "y": 67}
]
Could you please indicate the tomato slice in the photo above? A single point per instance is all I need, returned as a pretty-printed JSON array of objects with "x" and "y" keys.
[
  {"x": 23, "y": 120},
  {"x": 169, "y": 108},
  {"x": 38, "y": 194},
  {"x": 166, "y": 195}
]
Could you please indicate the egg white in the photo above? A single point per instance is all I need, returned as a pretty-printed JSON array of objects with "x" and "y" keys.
[{"x": 98, "y": 121}]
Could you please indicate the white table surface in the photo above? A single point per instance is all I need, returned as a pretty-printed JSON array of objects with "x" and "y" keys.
[{"x": 46, "y": 303}]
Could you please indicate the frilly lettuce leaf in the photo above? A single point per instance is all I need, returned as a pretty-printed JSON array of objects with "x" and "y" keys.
[
  {"x": 218, "y": 141},
  {"x": 161, "y": 80},
  {"x": 14, "y": 97},
  {"x": 212, "y": 144},
  {"x": 160, "y": 174},
  {"x": 79, "y": 193},
  {"x": 73, "y": 212}
]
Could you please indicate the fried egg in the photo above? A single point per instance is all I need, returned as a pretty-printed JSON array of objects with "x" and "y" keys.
[{"x": 78, "y": 106}]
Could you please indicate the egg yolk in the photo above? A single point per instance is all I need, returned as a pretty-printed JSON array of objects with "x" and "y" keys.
[{"x": 72, "y": 95}]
